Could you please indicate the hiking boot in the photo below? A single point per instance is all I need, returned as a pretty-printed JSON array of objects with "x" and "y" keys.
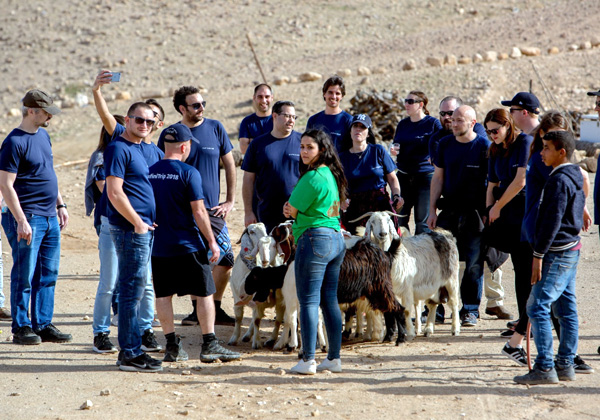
[
  {"x": 212, "y": 351},
  {"x": 51, "y": 334},
  {"x": 221, "y": 318},
  {"x": 175, "y": 352},
  {"x": 581, "y": 366},
  {"x": 499, "y": 312},
  {"x": 306, "y": 368},
  {"x": 191, "y": 319},
  {"x": 566, "y": 373},
  {"x": 5, "y": 314},
  {"x": 334, "y": 366},
  {"x": 468, "y": 320},
  {"x": 141, "y": 363},
  {"x": 537, "y": 376},
  {"x": 26, "y": 336},
  {"x": 517, "y": 354},
  {"x": 149, "y": 343},
  {"x": 102, "y": 344}
]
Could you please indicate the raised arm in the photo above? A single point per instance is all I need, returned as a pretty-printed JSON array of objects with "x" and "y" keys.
[{"x": 109, "y": 122}]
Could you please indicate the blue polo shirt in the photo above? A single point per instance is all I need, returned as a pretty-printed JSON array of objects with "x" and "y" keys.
[
  {"x": 537, "y": 175},
  {"x": 253, "y": 126},
  {"x": 124, "y": 159},
  {"x": 30, "y": 157},
  {"x": 275, "y": 162},
  {"x": 435, "y": 138},
  {"x": 503, "y": 169},
  {"x": 175, "y": 186},
  {"x": 210, "y": 142},
  {"x": 366, "y": 171},
  {"x": 335, "y": 125},
  {"x": 413, "y": 138}
]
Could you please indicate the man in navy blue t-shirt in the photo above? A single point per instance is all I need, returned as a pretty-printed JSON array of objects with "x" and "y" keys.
[
  {"x": 131, "y": 214},
  {"x": 460, "y": 179},
  {"x": 260, "y": 122},
  {"x": 271, "y": 167},
  {"x": 333, "y": 120},
  {"x": 180, "y": 263},
  {"x": 30, "y": 188}
]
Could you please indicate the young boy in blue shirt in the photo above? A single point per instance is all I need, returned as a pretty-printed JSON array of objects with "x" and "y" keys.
[{"x": 556, "y": 254}]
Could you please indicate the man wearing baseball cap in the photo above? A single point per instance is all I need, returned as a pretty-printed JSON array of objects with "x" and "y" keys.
[
  {"x": 525, "y": 110},
  {"x": 36, "y": 214},
  {"x": 180, "y": 262},
  {"x": 597, "y": 181}
]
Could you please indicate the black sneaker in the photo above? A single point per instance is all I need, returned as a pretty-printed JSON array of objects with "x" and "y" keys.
[
  {"x": 51, "y": 334},
  {"x": 141, "y": 363},
  {"x": 512, "y": 324},
  {"x": 537, "y": 376},
  {"x": 566, "y": 373},
  {"x": 468, "y": 320},
  {"x": 581, "y": 366},
  {"x": 26, "y": 336},
  {"x": 175, "y": 352},
  {"x": 221, "y": 318},
  {"x": 102, "y": 344},
  {"x": 213, "y": 351},
  {"x": 517, "y": 354},
  {"x": 149, "y": 343},
  {"x": 191, "y": 319},
  {"x": 507, "y": 333}
]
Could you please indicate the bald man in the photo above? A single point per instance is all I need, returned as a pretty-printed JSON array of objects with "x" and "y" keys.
[{"x": 458, "y": 189}]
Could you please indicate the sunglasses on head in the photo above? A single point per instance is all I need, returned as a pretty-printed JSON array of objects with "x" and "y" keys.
[
  {"x": 197, "y": 105},
  {"x": 411, "y": 101},
  {"x": 493, "y": 131},
  {"x": 446, "y": 113},
  {"x": 140, "y": 120}
]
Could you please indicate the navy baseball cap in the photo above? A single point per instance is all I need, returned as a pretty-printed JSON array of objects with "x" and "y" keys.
[
  {"x": 364, "y": 119},
  {"x": 526, "y": 101},
  {"x": 39, "y": 99},
  {"x": 176, "y": 133},
  {"x": 594, "y": 93}
]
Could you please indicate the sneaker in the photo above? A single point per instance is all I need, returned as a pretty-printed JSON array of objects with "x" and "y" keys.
[
  {"x": 213, "y": 350},
  {"x": 191, "y": 319},
  {"x": 507, "y": 333},
  {"x": 175, "y": 352},
  {"x": 537, "y": 376},
  {"x": 26, "y": 336},
  {"x": 149, "y": 343},
  {"x": 306, "y": 368},
  {"x": 221, "y": 318},
  {"x": 334, "y": 366},
  {"x": 581, "y": 366},
  {"x": 115, "y": 321},
  {"x": 51, "y": 334},
  {"x": 155, "y": 323},
  {"x": 5, "y": 314},
  {"x": 566, "y": 373},
  {"x": 499, "y": 312},
  {"x": 517, "y": 354},
  {"x": 120, "y": 358},
  {"x": 102, "y": 344},
  {"x": 468, "y": 320},
  {"x": 512, "y": 324},
  {"x": 141, "y": 363}
]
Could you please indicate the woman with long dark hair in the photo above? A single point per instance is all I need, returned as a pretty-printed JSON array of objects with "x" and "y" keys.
[{"x": 315, "y": 204}]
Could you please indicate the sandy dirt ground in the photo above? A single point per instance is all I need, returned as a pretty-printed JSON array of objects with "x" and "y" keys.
[{"x": 60, "y": 46}]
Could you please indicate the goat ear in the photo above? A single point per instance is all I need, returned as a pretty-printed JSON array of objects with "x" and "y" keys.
[
  {"x": 243, "y": 233},
  {"x": 368, "y": 230}
]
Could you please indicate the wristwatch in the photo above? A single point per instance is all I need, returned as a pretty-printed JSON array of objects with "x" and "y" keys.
[{"x": 60, "y": 206}]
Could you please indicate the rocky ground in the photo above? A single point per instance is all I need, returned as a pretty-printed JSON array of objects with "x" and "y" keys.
[{"x": 158, "y": 46}]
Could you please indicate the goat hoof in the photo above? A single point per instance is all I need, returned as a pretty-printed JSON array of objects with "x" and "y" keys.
[
  {"x": 428, "y": 333},
  {"x": 270, "y": 343},
  {"x": 256, "y": 346},
  {"x": 346, "y": 335},
  {"x": 232, "y": 343},
  {"x": 455, "y": 333},
  {"x": 324, "y": 349}
]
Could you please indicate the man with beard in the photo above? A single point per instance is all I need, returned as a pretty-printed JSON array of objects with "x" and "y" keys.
[
  {"x": 271, "y": 167},
  {"x": 458, "y": 189},
  {"x": 260, "y": 122}
]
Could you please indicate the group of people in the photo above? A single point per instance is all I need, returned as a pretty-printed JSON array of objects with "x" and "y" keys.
[{"x": 504, "y": 187}]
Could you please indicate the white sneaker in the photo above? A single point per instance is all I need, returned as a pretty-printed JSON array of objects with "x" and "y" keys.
[
  {"x": 155, "y": 323},
  {"x": 305, "y": 368},
  {"x": 334, "y": 366},
  {"x": 115, "y": 321}
]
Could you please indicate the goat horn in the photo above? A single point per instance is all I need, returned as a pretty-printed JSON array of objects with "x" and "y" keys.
[
  {"x": 394, "y": 214},
  {"x": 362, "y": 217}
]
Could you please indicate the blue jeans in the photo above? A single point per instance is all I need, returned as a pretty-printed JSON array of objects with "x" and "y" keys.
[
  {"x": 133, "y": 255},
  {"x": 319, "y": 255},
  {"x": 555, "y": 290},
  {"x": 415, "y": 191},
  {"x": 34, "y": 272},
  {"x": 2, "y": 297}
]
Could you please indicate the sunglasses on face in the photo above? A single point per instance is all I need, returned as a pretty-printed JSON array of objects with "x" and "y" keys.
[
  {"x": 140, "y": 120},
  {"x": 411, "y": 101},
  {"x": 446, "y": 113},
  {"x": 198, "y": 105},
  {"x": 289, "y": 116},
  {"x": 511, "y": 110},
  {"x": 493, "y": 131}
]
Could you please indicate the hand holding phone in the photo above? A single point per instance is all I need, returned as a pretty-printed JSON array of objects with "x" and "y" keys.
[{"x": 115, "y": 77}]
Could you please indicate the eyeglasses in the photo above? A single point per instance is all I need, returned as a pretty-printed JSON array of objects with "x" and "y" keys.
[
  {"x": 140, "y": 120},
  {"x": 511, "y": 110},
  {"x": 157, "y": 115},
  {"x": 446, "y": 113},
  {"x": 411, "y": 101},
  {"x": 289, "y": 116},
  {"x": 197, "y": 105},
  {"x": 494, "y": 131}
]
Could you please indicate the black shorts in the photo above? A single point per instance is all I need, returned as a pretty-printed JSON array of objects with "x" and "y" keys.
[
  {"x": 221, "y": 233},
  {"x": 182, "y": 275}
]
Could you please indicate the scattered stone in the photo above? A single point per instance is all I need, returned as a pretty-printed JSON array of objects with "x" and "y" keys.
[
  {"x": 380, "y": 70},
  {"x": 268, "y": 388},
  {"x": 595, "y": 41},
  {"x": 579, "y": 155},
  {"x": 14, "y": 394},
  {"x": 477, "y": 58},
  {"x": 315, "y": 413},
  {"x": 315, "y": 397},
  {"x": 105, "y": 392},
  {"x": 14, "y": 112},
  {"x": 86, "y": 318},
  {"x": 450, "y": 60},
  {"x": 553, "y": 50},
  {"x": 587, "y": 45},
  {"x": 87, "y": 405},
  {"x": 363, "y": 71},
  {"x": 591, "y": 163},
  {"x": 281, "y": 81},
  {"x": 123, "y": 96},
  {"x": 530, "y": 51},
  {"x": 190, "y": 405},
  {"x": 178, "y": 394},
  {"x": 409, "y": 65},
  {"x": 344, "y": 73},
  {"x": 463, "y": 59},
  {"x": 573, "y": 47},
  {"x": 184, "y": 412},
  {"x": 490, "y": 56},
  {"x": 272, "y": 366},
  {"x": 310, "y": 76},
  {"x": 294, "y": 80},
  {"x": 435, "y": 61},
  {"x": 186, "y": 373},
  {"x": 515, "y": 53},
  {"x": 281, "y": 372},
  {"x": 503, "y": 56},
  {"x": 364, "y": 81}
]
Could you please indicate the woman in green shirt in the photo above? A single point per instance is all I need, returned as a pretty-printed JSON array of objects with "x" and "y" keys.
[{"x": 315, "y": 204}]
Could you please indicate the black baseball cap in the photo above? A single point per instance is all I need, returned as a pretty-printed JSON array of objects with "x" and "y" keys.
[
  {"x": 526, "y": 101},
  {"x": 594, "y": 93},
  {"x": 364, "y": 119},
  {"x": 39, "y": 99},
  {"x": 176, "y": 133}
]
